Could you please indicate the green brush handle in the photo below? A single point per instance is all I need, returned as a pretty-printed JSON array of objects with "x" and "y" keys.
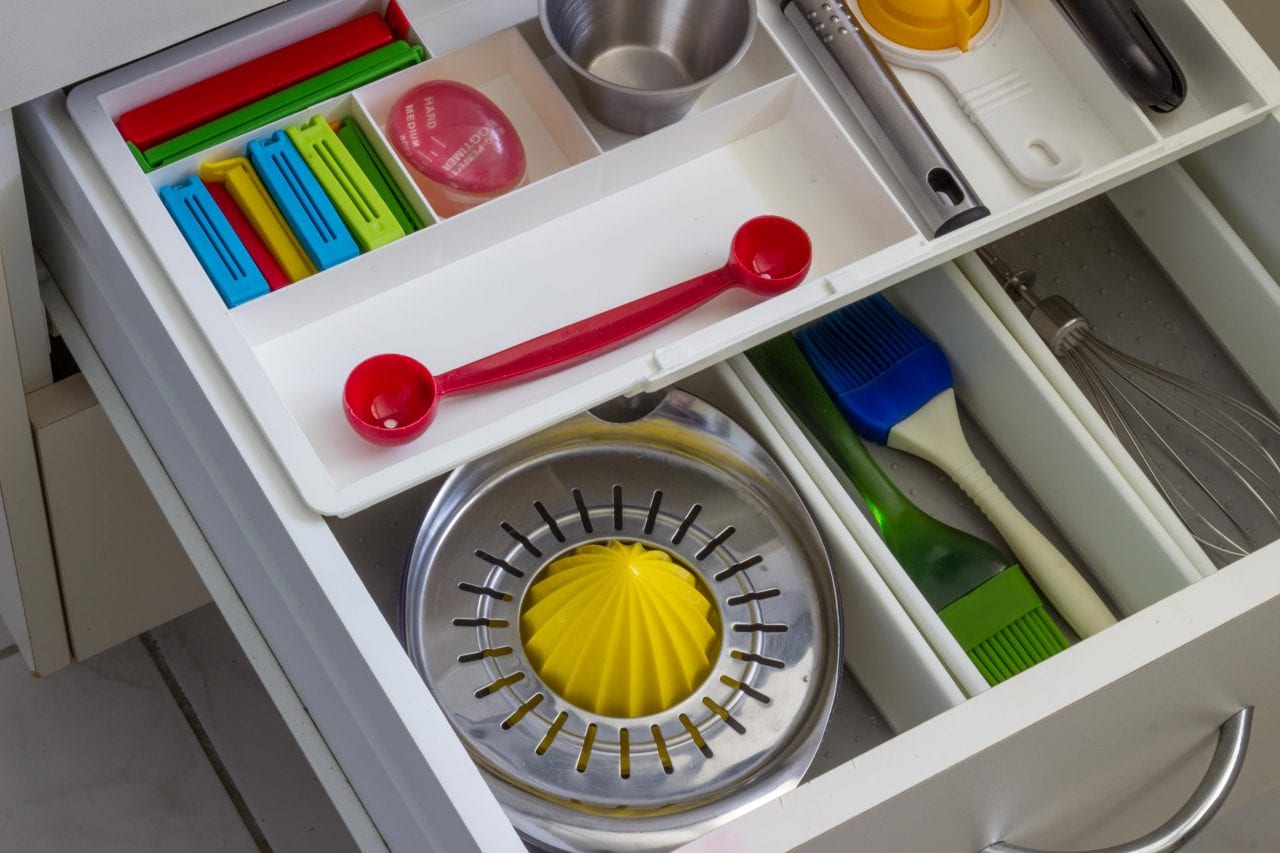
[{"x": 945, "y": 563}]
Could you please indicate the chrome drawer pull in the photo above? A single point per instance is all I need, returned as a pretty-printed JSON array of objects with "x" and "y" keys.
[{"x": 1224, "y": 769}]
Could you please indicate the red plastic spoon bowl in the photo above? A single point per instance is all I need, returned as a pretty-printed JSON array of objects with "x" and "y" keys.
[{"x": 391, "y": 398}]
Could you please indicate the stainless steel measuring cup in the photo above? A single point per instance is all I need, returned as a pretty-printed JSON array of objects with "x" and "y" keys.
[{"x": 641, "y": 65}]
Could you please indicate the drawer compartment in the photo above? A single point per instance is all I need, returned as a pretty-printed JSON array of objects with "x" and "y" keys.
[
  {"x": 1199, "y": 306},
  {"x": 899, "y": 682},
  {"x": 1072, "y": 492},
  {"x": 767, "y": 138},
  {"x": 899, "y": 678},
  {"x": 907, "y": 667}
]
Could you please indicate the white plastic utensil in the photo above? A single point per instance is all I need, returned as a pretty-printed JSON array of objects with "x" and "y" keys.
[
  {"x": 934, "y": 434},
  {"x": 989, "y": 85}
]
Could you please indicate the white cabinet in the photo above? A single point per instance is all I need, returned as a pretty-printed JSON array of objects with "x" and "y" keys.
[{"x": 309, "y": 526}]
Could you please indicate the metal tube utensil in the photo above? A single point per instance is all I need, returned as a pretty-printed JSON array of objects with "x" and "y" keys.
[{"x": 850, "y": 59}]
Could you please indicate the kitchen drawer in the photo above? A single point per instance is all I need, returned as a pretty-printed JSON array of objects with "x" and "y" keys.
[
  {"x": 112, "y": 540},
  {"x": 318, "y": 592}
]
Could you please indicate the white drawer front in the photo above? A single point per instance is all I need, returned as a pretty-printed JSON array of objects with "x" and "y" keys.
[{"x": 1110, "y": 755}]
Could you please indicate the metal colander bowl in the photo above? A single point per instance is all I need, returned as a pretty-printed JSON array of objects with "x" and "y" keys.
[{"x": 684, "y": 479}]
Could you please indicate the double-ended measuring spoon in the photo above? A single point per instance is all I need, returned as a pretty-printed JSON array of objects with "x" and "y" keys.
[{"x": 392, "y": 398}]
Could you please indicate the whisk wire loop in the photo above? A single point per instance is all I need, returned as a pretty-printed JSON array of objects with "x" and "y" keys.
[{"x": 1146, "y": 406}]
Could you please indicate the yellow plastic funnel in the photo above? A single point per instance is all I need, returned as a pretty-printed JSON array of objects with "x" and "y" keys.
[
  {"x": 927, "y": 24},
  {"x": 619, "y": 629}
]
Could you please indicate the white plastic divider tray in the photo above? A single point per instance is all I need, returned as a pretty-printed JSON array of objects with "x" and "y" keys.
[
  {"x": 503, "y": 68},
  {"x": 644, "y": 214},
  {"x": 1228, "y": 289},
  {"x": 1120, "y": 544}
]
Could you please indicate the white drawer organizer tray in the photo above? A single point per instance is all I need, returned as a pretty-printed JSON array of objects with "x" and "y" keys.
[{"x": 597, "y": 227}]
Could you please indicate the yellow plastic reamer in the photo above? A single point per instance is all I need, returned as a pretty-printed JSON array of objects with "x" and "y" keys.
[
  {"x": 619, "y": 629},
  {"x": 927, "y": 24}
]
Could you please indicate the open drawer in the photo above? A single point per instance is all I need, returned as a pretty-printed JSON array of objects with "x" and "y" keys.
[
  {"x": 770, "y": 137},
  {"x": 318, "y": 586}
]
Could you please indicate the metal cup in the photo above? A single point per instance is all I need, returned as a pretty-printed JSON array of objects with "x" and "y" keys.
[{"x": 640, "y": 64}]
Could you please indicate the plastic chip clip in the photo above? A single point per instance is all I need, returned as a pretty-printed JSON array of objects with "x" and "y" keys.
[
  {"x": 380, "y": 176},
  {"x": 352, "y": 193},
  {"x": 243, "y": 184},
  {"x": 213, "y": 241},
  {"x": 335, "y": 81},
  {"x": 205, "y": 100},
  {"x": 313, "y": 218},
  {"x": 240, "y": 224}
]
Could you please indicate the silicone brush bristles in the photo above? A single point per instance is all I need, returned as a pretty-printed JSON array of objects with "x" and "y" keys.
[
  {"x": 878, "y": 366},
  {"x": 1017, "y": 646},
  {"x": 1003, "y": 626},
  {"x": 860, "y": 342}
]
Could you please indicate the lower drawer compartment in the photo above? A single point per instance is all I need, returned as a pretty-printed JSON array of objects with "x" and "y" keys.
[
  {"x": 910, "y": 710},
  {"x": 905, "y": 668},
  {"x": 899, "y": 682},
  {"x": 1057, "y": 461}
]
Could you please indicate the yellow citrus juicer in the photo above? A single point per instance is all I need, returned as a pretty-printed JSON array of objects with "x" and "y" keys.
[
  {"x": 620, "y": 628},
  {"x": 630, "y": 622},
  {"x": 981, "y": 49}
]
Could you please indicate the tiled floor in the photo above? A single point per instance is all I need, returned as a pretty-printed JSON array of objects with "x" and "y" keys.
[
  {"x": 99, "y": 757},
  {"x": 270, "y": 774},
  {"x": 167, "y": 742}
]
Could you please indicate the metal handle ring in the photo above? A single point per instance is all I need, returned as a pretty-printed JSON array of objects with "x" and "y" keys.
[{"x": 1215, "y": 787}]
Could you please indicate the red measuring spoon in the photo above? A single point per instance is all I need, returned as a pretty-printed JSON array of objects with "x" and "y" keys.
[{"x": 391, "y": 398}]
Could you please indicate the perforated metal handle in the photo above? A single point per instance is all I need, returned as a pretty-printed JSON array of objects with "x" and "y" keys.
[
  {"x": 1224, "y": 769},
  {"x": 850, "y": 59}
]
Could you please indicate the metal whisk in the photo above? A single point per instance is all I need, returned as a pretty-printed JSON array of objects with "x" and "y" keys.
[{"x": 1205, "y": 451}]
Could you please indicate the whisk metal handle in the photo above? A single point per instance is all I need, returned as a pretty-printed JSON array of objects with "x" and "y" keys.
[{"x": 933, "y": 433}]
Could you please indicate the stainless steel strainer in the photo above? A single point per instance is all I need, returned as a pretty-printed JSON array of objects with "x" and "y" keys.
[{"x": 685, "y": 480}]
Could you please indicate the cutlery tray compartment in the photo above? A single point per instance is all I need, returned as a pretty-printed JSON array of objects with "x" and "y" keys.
[
  {"x": 561, "y": 248},
  {"x": 1083, "y": 103},
  {"x": 1038, "y": 452},
  {"x": 1162, "y": 276}
]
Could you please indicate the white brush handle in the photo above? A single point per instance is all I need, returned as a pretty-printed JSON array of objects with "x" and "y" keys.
[{"x": 933, "y": 433}]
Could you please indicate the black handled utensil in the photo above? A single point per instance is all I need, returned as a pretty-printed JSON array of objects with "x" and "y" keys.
[{"x": 1124, "y": 41}]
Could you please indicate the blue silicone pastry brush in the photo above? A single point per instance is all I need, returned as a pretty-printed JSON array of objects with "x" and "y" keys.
[
  {"x": 986, "y": 603},
  {"x": 893, "y": 384}
]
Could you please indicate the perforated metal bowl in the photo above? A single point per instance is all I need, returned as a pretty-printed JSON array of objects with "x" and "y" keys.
[{"x": 684, "y": 479}]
